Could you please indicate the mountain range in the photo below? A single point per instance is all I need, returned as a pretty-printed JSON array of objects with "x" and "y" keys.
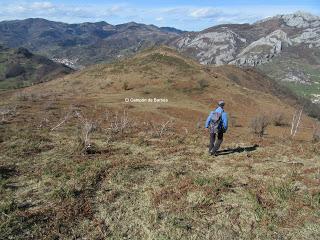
[
  {"x": 83, "y": 44},
  {"x": 285, "y": 47}
]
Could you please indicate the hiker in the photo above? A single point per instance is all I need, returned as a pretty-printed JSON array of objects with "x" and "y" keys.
[{"x": 217, "y": 122}]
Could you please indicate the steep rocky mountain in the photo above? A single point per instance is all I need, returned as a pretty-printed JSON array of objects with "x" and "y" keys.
[
  {"x": 251, "y": 45},
  {"x": 19, "y": 68},
  {"x": 286, "y": 47},
  {"x": 82, "y": 44}
]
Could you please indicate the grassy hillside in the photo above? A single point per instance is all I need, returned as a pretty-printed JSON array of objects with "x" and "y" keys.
[
  {"x": 78, "y": 161},
  {"x": 298, "y": 70},
  {"x": 20, "y": 68}
]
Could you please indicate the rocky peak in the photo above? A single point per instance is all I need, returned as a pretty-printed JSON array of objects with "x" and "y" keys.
[
  {"x": 301, "y": 20},
  {"x": 298, "y": 19},
  {"x": 216, "y": 47}
]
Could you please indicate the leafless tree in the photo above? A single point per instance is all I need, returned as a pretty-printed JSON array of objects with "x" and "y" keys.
[{"x": 295, "y": 123}]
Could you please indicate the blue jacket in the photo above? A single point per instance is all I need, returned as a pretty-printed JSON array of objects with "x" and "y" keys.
[{"x": 224, "y": 117}]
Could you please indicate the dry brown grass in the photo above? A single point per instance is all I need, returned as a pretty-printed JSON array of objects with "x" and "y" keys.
[{"x": 141, "y": 184}]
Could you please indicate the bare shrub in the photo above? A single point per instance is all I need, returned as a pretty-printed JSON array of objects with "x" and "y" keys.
[
  {"x": 6, "y": 112},
  {"x": 86, "y": 126},
  {"x": 44, "y": 123},
  {"x": 203, "y": 84},
  {"x": 199, "y": 123},
  {"x": 162, "y": 128},
  {"x": 117, "y": 125},
  {"x": 233, "y": 121},
  {"x": 50, "y": 106},
  {"x": 259, "y": 125},
  {"x": 316, "y": 134},
  {"x": 125, "y": 86},
  {"x": 278, "y": 119},
  {"x": 22, "y": 96}
]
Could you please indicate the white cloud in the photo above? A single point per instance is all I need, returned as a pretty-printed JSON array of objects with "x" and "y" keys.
[
  {"x": 61, "y": 12},
  {"x": 204, "y": 12},
  {"x": 42, "y": 6}
]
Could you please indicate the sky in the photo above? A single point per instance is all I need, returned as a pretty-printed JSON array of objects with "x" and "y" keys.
[{"x": 182, "y": 14}]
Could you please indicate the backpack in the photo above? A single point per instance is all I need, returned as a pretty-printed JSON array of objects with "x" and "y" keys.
[{"x": 215, "y": 122}]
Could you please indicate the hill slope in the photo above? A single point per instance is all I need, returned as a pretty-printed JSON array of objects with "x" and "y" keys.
[
  {"x": 20, "y": 68},
  {"x": 144, "y": 172}
]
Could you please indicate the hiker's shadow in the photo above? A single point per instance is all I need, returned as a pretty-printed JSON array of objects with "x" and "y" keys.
[{"x": 237, "y": 150}]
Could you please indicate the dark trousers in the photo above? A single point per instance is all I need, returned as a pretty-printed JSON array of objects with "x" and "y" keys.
[{"x": 215, "y": 144}]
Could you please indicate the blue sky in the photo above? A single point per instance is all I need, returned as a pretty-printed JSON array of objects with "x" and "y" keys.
[{"x": 182, "y": 14}]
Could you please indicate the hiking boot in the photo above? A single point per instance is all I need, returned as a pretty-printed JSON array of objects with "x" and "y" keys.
[{"x": 213, "y": 154}]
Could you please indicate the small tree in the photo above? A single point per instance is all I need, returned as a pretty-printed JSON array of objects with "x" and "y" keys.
[{"x": 259, "y": 125}]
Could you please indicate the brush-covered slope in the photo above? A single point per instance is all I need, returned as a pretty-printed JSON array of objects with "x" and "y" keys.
[
  {"x": 20, "y": 68},
  {"x": 146, "y": 173}
]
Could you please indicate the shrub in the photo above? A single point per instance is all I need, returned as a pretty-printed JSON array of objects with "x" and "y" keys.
[
  {"x": 6, "y": 112},
  {"x": 278, "y": 119},
  {"x": 125, "y": 86},
  {"x": 316, "y": 135},
  {"x": 203, "y": 84},
  {"x": 259, "y": 125},
  {"x": 233, "y": 121},
  {"x": 22, "y": 96}
]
